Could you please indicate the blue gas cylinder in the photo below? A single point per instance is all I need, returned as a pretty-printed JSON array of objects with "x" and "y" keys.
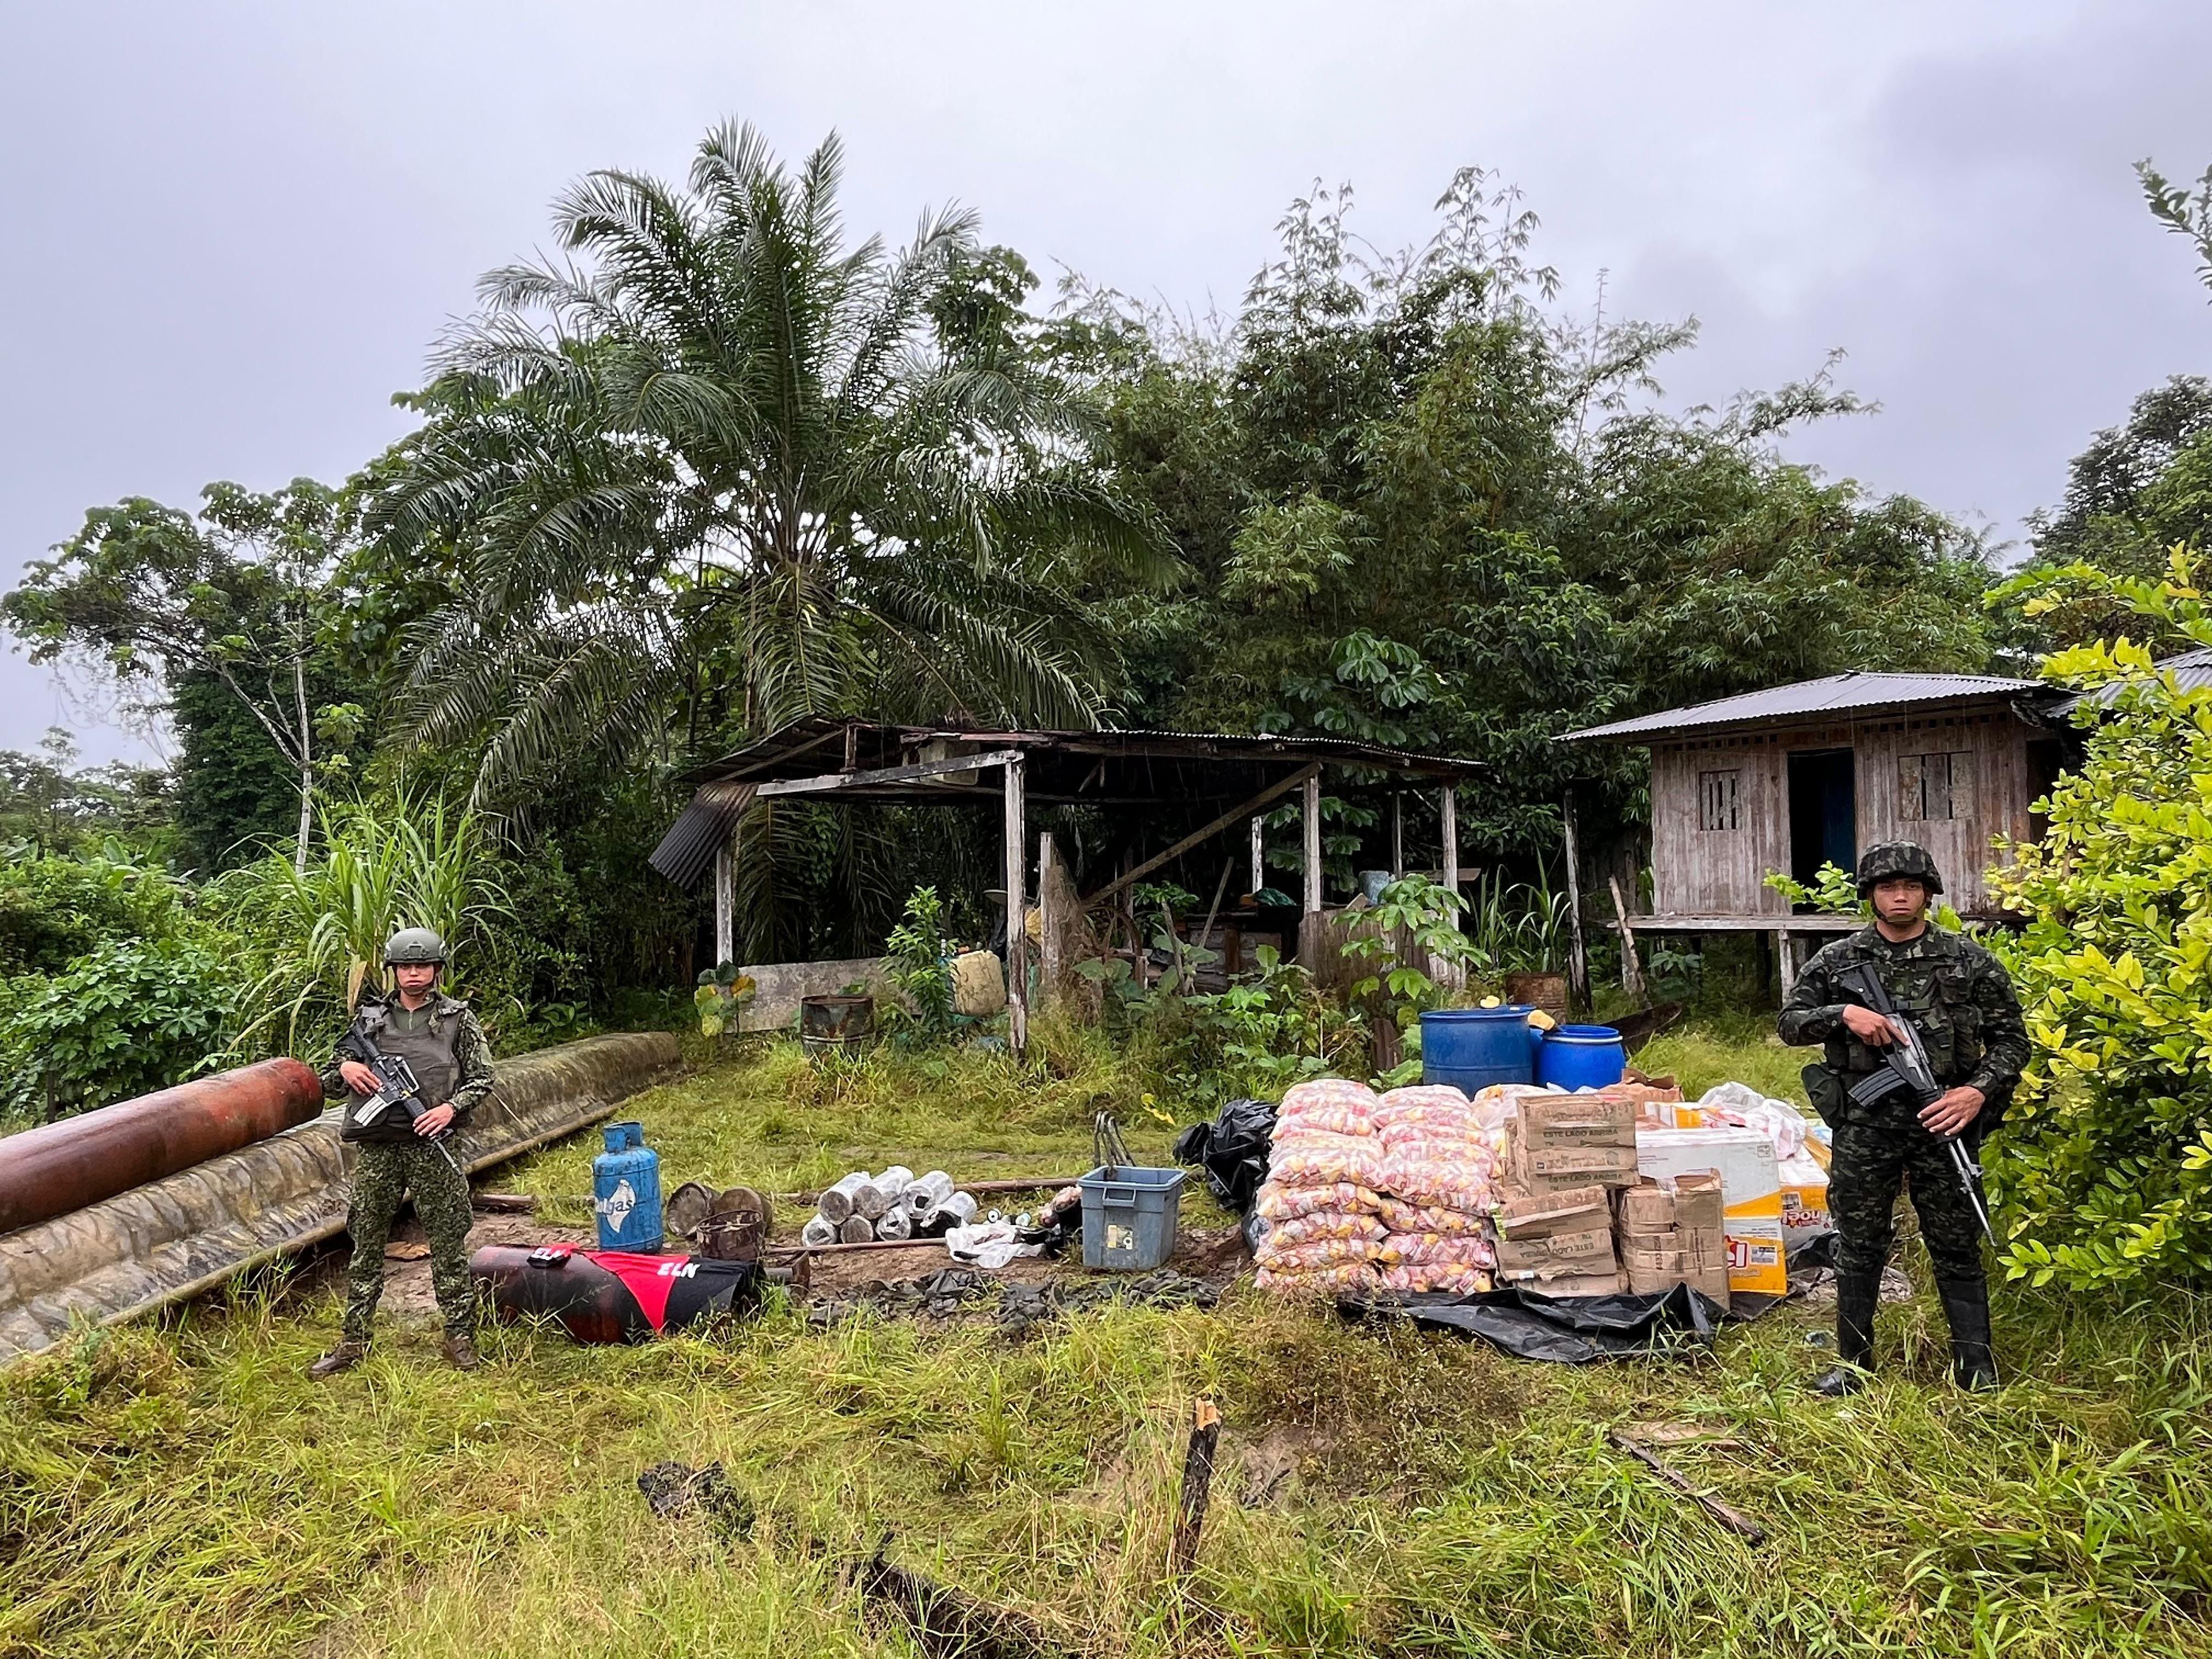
[{"x": 626, "y": 1190}]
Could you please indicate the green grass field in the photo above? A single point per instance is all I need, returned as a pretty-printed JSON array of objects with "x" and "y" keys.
[{"x": 184, "y": 1490}]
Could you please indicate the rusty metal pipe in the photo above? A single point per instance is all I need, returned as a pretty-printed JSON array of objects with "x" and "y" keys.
[{"x": 60, "y": 1167}]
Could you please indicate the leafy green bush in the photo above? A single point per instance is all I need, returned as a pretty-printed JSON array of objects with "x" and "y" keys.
[
  {"x": 2105, "y": 1169},
  {"x": 53, "y": 909},
  {"x": 129, "y": 1018},
  {"x": 915, "y": 961}
]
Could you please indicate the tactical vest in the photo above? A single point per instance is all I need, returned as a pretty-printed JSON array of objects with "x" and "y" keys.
[{"x": 430, "y": 1048}]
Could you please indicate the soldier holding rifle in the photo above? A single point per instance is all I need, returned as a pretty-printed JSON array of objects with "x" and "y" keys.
[
  {"x": 1960, "y": 1001},
  {"x": 399, "y": 1143}
]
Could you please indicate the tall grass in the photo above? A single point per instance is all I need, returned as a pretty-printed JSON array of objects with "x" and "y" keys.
[
  {"x": 185, "y": 1491},
  {"x": 381, "y": 865},
  {"x": 1519, "y": 926}
]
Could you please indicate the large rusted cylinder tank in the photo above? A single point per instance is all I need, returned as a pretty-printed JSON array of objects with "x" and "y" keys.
[{"x": 60, "y": 1167}]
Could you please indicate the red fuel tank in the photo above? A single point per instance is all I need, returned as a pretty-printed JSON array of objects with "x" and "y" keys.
[{"x": 60, "y": 1167}]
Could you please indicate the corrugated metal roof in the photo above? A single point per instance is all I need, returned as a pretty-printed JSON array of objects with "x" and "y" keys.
[
  {"x": 2191, "y": 672},
  {"x": 1853, "y": 692}
]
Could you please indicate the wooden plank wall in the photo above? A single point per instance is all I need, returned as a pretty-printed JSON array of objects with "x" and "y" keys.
[
  {"x": 1997, "y": 741},
  {"x": 1720, "y": 872}
]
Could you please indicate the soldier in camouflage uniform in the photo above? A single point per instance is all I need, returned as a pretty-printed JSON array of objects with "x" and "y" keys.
[
  {"x": 441, "y": 1039},
  {"x": 1962, "y": 1002}
]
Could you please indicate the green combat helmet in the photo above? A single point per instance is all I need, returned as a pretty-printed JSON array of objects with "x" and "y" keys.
[
  {"x": 1898, "y": 860},
  {"x": 415, "y": 946}
]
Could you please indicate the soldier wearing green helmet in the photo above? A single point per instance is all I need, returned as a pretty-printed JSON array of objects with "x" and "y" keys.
[
  {"x": 1962, "y": 1002},
  {"x": 394, "y": 1155}
]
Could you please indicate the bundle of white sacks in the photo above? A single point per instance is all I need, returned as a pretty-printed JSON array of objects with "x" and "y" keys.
[
  {"x": 895, "y": 1205},
  {"x": 1380, "y": 1191}
]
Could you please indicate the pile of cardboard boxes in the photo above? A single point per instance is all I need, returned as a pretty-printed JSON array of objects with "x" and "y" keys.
[
  {"x": 1559, "y": 1244},
  {"x": 1675, "y": 1235},
  {"x": 1591, "y": 1210}
]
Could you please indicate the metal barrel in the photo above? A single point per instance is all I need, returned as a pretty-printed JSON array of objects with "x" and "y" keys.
[
  {"x": 584, "y": 1298},
  {"x": 58, "y": 1168}
]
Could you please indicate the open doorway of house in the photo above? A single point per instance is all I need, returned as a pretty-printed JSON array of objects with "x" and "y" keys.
[{"x": 1823, "y": 812}]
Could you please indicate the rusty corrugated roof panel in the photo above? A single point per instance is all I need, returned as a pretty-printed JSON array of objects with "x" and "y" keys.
[{"x": 1854, "y": 693}]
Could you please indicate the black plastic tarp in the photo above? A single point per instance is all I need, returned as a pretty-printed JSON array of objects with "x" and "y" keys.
[
  {"x": 1562, "y": 1330},
  {"x": 1232, "y": 1151}
]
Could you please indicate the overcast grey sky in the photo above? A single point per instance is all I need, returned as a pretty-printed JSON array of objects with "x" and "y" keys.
[{"x": 233, "y": 230}]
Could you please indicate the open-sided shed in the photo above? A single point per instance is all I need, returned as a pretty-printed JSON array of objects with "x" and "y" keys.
[{"x": 1187, "y": 785}]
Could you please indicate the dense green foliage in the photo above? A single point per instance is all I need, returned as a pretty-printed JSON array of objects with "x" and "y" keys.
[
  {"x": 1421, "y": 509},
  {"x": 2107, "y": 1168}
]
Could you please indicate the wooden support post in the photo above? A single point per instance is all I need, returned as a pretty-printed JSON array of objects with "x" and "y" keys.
[
  {"x": 1632, "y": 970},
  {"x": 1311, "y": 822},
  {"x": 1052, "y": 949},
  {"x": 1450, "y": 815},
  {"x": 1017, "y": 937},
  {"x": 1197, "y": 1487},
  {"x": 1785, "y": 960},
  {"x": 726, "y": 901},
  {"x": 1259, "y": 851},
  {"x": 1397, "y": 834},
  {"x": 1578, "y": 985}
]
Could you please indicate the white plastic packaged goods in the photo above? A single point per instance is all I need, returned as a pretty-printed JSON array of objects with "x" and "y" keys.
[
  {"x": 1321, "y": 1252},
  {"x": 1317, "y": 1281},
  {"x": 925, "y": 1193},
  {"x": 1417, "y": 1276},
  {"x": 1323, "y": 1160},
  {"x": 1326, "y": 1224},
  {"x": 1399, "y": 1217},
  {"x": 839, "y": 1200},
  {"x": 818, "y": 1231},
  {"x": 1280, "y": 1203},
  {"x": 1333, "y": 1103},
  {"x": 1467, "y": 1181},
  {"x": 1323, "y": 1120},
  {"x": 1419, "y": 1101},
  {"x": 893, "y": 1182},
  {"x": 1460, "y": 1249}
]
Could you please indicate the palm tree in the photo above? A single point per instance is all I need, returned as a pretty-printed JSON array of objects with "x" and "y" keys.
[{"x": 716, "y": 471}]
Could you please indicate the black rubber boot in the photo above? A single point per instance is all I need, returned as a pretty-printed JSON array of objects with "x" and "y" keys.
[
  {"x": 1966, "y": 1306},
  {"x": 1856, "y": 1297}
]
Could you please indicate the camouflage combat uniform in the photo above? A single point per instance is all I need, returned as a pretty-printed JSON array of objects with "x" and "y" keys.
[
  {"x": 1961, "y": 1000},
  {"x": 451, "y": 1059}
]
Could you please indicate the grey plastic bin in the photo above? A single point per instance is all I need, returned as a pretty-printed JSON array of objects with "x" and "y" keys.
[{"x": 1129, "y": 1215}]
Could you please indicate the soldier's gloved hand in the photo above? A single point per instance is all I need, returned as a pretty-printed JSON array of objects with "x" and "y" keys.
[
  {"x": 433, "y": 1119},
  {"x": 358, "y": 1077},
  {"x": 1868, "y": 1026},
  {"x": 1951, "y": 1111}
]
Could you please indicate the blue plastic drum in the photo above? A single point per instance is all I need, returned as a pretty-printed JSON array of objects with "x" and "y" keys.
[
  {"x": 1580, "y": 1057},
  {"x": 1471, "y": 1048}
]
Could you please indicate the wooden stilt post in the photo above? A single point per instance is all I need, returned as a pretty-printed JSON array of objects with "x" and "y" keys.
[
  {"x": 1449, "y": 813},
  {"x": 1017, "y": 937},
  {"x": 1051, "y": 947},
  {"x": 1632, "y": 970},
  {"x": 1785, "y": 959},
  {"x": 1259, "y": 851},
  {"x": 726, "y": 901},
  {"x": 1311, "y": 825},
  {"x": 1578, "y": 985},
  {"x": 1397, "y": 834}
]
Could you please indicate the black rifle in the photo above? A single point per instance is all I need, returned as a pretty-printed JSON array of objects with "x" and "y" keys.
[
  {"x": 398, "y": 1089},
  {"x": 1905, "y": 1067}
]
